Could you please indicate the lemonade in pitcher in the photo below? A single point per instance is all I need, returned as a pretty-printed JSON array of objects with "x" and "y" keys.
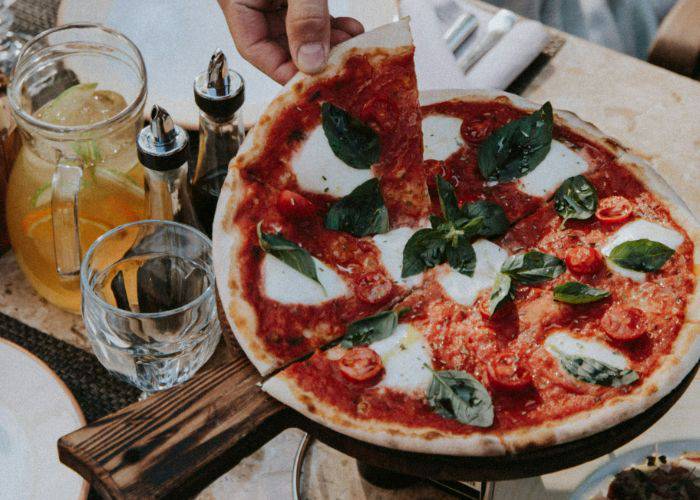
[{"x": 76, "y": 175}]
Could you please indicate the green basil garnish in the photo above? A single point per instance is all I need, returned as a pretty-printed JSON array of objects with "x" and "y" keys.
[
  {"x": 370, "y": 329},
  {"x": 574, "y": 292},
  {"x": 641, "y": 255},
  {"x": 518, "y": 147},
  {"x": 424, "y": 250},
  {"x": 288, "y": 252},
  {"x": 354, "y": 142},
  {"x": 533, "y": 267},
  {"x": 502, "y": 291},
  {"x": 360, "y": 213},
  {"x": 461, "y": 256},
  {"x": 495, "y": 222},
  {"x": 457, "y": 395},
  {"x": 448, "y": 199},
  {"x": 592, "y": 371},
  {"x": 576, "y": 198}
]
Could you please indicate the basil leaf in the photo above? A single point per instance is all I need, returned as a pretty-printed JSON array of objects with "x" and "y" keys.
[
  {"x": 448, "y": 199},
  {"x": 370, "y": 329},
  {"x": 495, "y": 222},
  {"x": 592, "y": 371},
  {"x": 360, "y": 213},
  {"x": 436, "y": 221},
  {"x": 288, "y": 252},
  {"x": 576, "y": 198},
  {"x": 355, "y": 143},
  {"x": 574, "y": 292},
  {"x": 461, "y": 256},
  {"x": 502, "y": 290},
  {"x": 423, "y": 250},
  {"x": 641, "y": 255},
  {"x": 518, "y": 147},
  {"x": 533, "y": 267},
  {"x": 457, "y": 395}
]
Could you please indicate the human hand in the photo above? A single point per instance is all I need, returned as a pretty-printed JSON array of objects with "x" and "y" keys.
[{"x": 280, "y": 37}]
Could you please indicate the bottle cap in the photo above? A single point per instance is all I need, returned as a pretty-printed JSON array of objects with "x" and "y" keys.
[
  {"x": 219, "y": 91},
  {"x": 162, "y": 145}
]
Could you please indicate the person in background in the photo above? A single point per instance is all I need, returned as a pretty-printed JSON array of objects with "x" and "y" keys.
[{"x": 280, "y": 37}]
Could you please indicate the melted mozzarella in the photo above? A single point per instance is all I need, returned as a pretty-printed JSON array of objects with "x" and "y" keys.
[
  {"x": 567, "y": 344},
  {"x": 637, "y": 230},
  {"x": 404, "y": 356},
  {"x": 441, "y": 136},
  {"x": 464, "y": 289},
  {"x": 391, "y": 247},
  {"x": 286, "y": 285},
  {"x": 559, "y": 164},
  {"x": 319, "y": 170}
]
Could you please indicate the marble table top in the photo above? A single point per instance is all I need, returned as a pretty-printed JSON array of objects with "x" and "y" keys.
[{"x": 645, "y": 107}]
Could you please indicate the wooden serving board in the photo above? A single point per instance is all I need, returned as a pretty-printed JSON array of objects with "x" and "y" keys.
[{"x": 176, "y": 442}]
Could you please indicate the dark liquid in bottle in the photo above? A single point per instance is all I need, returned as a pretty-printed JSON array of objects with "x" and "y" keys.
[{"x": 205, "y": 194}]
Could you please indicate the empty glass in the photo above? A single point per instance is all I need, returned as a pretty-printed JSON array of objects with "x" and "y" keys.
[{"x": 149, "y": 302}]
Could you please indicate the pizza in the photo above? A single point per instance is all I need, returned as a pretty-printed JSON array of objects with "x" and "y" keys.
[{"x": 455, "y": 272}]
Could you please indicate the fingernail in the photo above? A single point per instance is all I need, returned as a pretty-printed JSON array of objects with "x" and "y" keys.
[{"x": 311, "y": 57}]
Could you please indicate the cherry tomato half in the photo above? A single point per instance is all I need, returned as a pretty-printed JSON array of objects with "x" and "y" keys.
[
  {"x": 294, "y": 205},
  {"x": 583, "y": 260},
  {"x": 360, "y": 364},
  {"x": 374, "y": 288},
  {"x": 624, "y": 323},
  {"x": 507, "y": 373},
  {"x": 613, "y": 209}
]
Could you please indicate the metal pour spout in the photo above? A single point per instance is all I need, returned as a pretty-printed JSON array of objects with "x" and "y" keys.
[
  {"x": 218, "y": 78},
  {"x": 162, "y": 126}
]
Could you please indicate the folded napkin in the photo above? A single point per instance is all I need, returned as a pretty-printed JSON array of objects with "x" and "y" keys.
[{"x": 436, "y": 66}]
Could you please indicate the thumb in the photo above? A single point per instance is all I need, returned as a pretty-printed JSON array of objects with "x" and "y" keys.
[{"x": 309, "y": 32}]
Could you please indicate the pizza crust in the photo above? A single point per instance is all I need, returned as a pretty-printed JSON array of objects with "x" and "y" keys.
[
  {"x": 671, "y": 371},
  {"x": 391, "y": 39}
]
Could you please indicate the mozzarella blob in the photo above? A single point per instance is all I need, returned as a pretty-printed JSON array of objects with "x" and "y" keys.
[
  {"x": 286, "y": 285},
  {"x": 319, "y": 170},
  {"x": 559, "y": 164},
  {"x": 441, "y": 136},
  {"x": 563, "y": 342},
  {"x": 404, "y": 356},
  {"x": 391, "y": 247},
  {"x": 636, "y": 230},
  {"x": 464, "y": 289}
]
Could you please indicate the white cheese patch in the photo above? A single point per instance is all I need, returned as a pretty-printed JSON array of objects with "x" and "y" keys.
[
  {"x": 637, "y": 230},
  {"x": 286, "y": 285},
  {"x": 441, "y": 136},
  {"x": 319, "y": 170},
  {"x": 464, "y": 289},
  {"x": 391, "y": 247},
  {"x": 567, "y": 344},
  {"x": 559, "y": 164},
  {"x": 404, "y": 356}
]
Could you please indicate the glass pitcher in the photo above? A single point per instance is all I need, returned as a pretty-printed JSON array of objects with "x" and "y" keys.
[{"x": 77, "y": 94}]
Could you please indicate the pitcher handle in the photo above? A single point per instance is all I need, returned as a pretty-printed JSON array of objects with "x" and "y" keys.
[{"x": 65, "y": 185}]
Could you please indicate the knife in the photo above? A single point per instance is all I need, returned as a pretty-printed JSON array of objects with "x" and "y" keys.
[{"x": 499, "y": 25}]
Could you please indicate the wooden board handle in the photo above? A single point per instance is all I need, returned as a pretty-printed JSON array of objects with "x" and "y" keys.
[{"x": 176, "y": 442}]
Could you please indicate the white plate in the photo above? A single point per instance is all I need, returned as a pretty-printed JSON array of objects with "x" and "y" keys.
[
  {"x": 177, "y": 38},
  {"x": 599, "y": 480},
  {"x": 36, "y": 409}
]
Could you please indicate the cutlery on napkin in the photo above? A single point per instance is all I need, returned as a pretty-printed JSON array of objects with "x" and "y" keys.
[{"x": 436, "y": 65}]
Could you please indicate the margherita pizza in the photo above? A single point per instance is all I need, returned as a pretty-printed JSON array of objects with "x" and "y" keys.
[{"x": 470, "y": 274}]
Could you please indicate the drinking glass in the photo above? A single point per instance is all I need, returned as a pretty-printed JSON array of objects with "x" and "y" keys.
[
  {"x": 149, "y": 302},
  {"x": 77, "y": 94}
]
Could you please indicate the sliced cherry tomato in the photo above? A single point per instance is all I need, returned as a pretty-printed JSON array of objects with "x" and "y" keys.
[
  {"x": 613, "y": 209},
  {"x": 583, "y": 260},
  {"x": 294, "y": 205},
  {"x": 374, "y": 288},
  {"x": 624, "y": 323},
  {"x": 507, "y": 373},
  {"x": 360, "y": 364},
  {"x": 478, "y": 129}
]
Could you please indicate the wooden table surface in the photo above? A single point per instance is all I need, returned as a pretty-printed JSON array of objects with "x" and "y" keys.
[{"x": 645, "y": 107}]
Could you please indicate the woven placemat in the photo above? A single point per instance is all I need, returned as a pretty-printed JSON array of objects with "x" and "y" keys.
[{"x": 97, "y": 392}]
